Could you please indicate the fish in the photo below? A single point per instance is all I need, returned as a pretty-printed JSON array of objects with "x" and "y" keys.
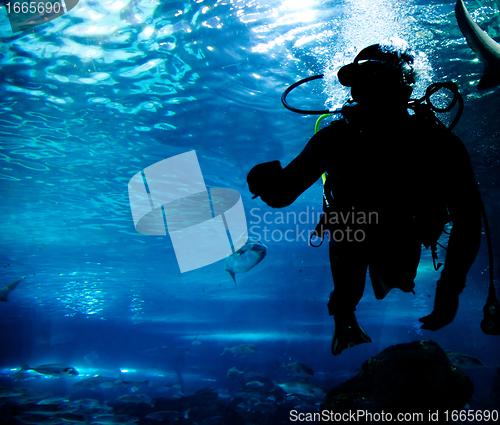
[
  {"x": 214, "y": 420},
  {"x": 90, "y": 407},
  {"x": 115, "y": 419},
  {"x": 302, "y": 388},
  {"x": 252, "y": 395},
  {"x": 298, "y": 369},
  {"x": 28, "y": 399},
  {"x": 90, "y": 403},
  {"x": 257, "y": 407},
  {"x": 234, "y": 373},
  {"x": 248, "y": 403},
  {"x": 24, "y": 375},
  {"x": 241, "y": 350},
  {"x": 4, "y": 292},
  {"x": 167, "y": 415},
  {"x": 94, "y": 382},
  {"x": 263, "y": 408},
  {"x": 196, "y": 341},
  {"x": 224, "y": 394},
  {"x": 35, "y": 419},
  {"x": 93, "y": 411},
  {"x": 54, "y": 400},
  {"x": 246, "y": 258},
  {"x": 171, "y": 388},
  {"x": 119, "y": 383},
  {"x": 464, "y": 361},
  {"x": 73, "y": 418},
  {"x": 21, "y": 395},
  {"x": 48, "y": 409},
  {"x": 254, "y": 384},
  {"x": 156, "y": 351},
  {"x": 485, "y": 48},
  {"x": 305, "y": 408},
  {"x": 252, "y": 376},
  {"x": 55, "y": 370},
  {"x": 136, "y": 398},
  {"x": 8, "y": 392}
]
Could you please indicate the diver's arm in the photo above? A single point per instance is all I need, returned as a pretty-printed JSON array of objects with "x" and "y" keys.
[
  {"x": 279, "y": 187},
  {"x": 464, "y": 205}
]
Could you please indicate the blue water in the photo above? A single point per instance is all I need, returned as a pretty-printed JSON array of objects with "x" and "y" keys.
[{"x": 95, "y": 96}]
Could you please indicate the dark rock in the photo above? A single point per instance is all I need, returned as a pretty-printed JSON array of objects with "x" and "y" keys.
[{"x": 404, "y": 378}]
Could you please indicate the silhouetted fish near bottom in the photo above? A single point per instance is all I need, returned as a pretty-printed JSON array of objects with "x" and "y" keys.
[
  {"x": 241, "y": 349},
  {"x": 234, "y": 373},
  {"x": 298, "y": 369},
  {"x": 115, "y": 420},
  {"x": 94, "y": 382},
  {"x": 169, "y": 416},
  {"x": 302, "y": 388},
  {"x": 464, "y": 361},
  {"x": 136, "y": 398}
]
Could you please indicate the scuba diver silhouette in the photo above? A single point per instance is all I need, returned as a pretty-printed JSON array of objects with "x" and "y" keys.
[{"x": 407, "y": 172}]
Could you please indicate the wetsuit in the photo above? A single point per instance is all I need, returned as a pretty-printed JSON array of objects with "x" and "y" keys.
[{"x": 409, "y": 173}]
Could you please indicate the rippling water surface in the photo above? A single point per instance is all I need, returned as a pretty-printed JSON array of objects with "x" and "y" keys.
[{"x": 93, "y": 97}]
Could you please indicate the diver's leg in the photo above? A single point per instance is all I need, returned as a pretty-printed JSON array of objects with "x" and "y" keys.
[{"x": 349, "y": 274}]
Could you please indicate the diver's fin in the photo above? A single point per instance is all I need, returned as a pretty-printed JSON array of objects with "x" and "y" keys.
[{"x": 347, "y": 334}]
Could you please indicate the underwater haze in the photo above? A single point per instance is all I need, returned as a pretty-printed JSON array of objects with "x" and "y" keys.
[{"x": 92, "y": 98}]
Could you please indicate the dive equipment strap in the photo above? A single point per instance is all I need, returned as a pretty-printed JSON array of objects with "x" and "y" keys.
[{"x": 320, "y": 229}]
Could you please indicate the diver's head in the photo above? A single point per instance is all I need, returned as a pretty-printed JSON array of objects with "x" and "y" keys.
[{"x": 381, "y": 74}]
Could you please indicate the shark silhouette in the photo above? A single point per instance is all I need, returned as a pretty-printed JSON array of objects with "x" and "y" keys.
[{"x": 486, "y": 49}]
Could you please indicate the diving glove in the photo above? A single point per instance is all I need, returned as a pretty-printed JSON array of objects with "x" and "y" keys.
[{"x": 262, "y": 178}]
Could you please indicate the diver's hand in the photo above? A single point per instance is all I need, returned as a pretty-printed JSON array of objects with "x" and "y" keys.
[
  {"x": 262, "y": 178},
  {"x": 445, "y": 306}
]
